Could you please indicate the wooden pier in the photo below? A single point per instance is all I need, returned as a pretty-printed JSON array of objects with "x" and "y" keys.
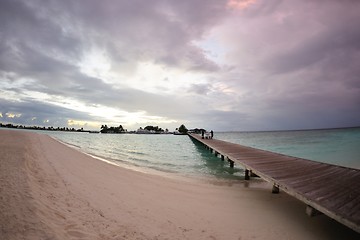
[{"x": 324, "y": 188}]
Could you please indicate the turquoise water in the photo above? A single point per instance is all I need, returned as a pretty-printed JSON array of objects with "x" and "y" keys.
[
  {"x": 334, "y": 146},
  {"x": 180, "y": 155},
  {"x": 164, "y": 153}
]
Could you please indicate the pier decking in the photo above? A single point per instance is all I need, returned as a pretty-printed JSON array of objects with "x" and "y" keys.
[{"x": 329, "y": 189}]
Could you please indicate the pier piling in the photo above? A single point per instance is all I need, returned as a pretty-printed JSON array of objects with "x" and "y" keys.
[
  {"x": 312, "y": 212},
  {"x": 247, "y": 176},
  {"x": 231, "y": 163},
  {"x": 275, "y": 189}
]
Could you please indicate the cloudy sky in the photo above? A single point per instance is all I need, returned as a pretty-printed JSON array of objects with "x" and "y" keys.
[{"x": 222, "y": 65}]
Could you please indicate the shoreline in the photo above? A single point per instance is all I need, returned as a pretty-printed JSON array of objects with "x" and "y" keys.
[
  {"x": 50, "y": 190},
  {"x": 149, "y": 170}
]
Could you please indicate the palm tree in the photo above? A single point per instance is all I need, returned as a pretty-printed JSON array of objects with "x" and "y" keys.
[{"x": 183, "y": 129}]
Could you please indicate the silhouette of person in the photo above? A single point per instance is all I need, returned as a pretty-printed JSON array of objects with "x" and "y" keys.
[
  {"x": 202, "y": 134},
  {"x": 211, "y": 134}
]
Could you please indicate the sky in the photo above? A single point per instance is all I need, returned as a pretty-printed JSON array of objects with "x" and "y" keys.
[{"x": 232, "y": 65}]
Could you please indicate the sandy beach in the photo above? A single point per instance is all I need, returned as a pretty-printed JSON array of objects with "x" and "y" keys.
[{"x": 51, "y": 191}]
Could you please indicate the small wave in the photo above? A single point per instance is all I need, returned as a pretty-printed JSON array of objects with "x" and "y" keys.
[
  {"x": 136, "y": 152},
  {"x": 165, "y": 170},
  {"x": 66, "y": 143}
]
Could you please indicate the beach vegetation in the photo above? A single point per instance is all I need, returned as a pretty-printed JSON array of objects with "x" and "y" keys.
[
  {"x": 106, "y": 129},
  {"x": 154, "y": 129},
  {"x": 49, "y": 128},
  {"x": 182, "y": 129}
]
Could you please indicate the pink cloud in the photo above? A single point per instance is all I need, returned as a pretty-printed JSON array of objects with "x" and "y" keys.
[{"x": 240, "y": 4}]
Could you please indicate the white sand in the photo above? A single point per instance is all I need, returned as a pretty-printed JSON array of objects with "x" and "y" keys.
[{"x": 51, "y": 191}]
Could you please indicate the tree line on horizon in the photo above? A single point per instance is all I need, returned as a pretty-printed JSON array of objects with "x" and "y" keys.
[
  {"x": 50, "y": 128},
  {"x": 104, "y": 128},
  {"x": 120, "y": 129}
]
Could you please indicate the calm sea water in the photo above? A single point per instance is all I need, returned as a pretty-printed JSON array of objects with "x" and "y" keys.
[{"x": 180, "y": 155}]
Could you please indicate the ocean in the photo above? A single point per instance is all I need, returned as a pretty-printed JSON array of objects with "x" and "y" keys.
[{"x": 179, "y": 155}]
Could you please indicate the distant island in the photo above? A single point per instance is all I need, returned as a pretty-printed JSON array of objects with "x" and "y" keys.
[
  {"x": 104, "y": 129},
  {"x": 63, "y": 129},
  {"x": 146, "y": 130},
  {"x": 182, "y": 130}
]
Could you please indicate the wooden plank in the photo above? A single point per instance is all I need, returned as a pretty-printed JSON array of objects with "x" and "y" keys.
[
  {"x": 317, "y": 179},
  {"x": 326, "y": 183}
]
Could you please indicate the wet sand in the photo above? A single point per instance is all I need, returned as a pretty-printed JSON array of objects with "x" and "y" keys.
[{"x": 51, "y": 191}]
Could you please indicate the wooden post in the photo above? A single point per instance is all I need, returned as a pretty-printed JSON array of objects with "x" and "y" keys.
[
  {"x": 312, "y": 212},
  {"x": 231, "y": 163},
  {"x": 247, "y": 177},
  {"x": 222, "y": 157},
  {"x": 275, "y": 189}
]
